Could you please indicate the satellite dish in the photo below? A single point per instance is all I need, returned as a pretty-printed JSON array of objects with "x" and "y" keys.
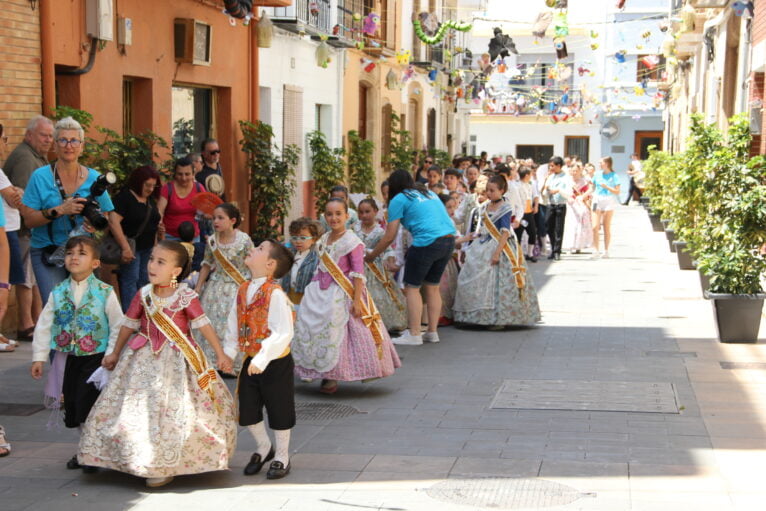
[{"x": 610, "y": 130}]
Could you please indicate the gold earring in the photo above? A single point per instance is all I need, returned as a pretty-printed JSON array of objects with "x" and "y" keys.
[{"x": 174, "y": 282}]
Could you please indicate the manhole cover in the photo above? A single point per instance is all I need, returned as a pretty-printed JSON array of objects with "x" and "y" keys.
[
  {"x": 743, "y": 365},
  {"x": 586, "y": 395},
  {"x": 505, "y": 493},
  {"x": 19, "y": 409},
  {"x": 671, "y": 354},
  {"x": 323, "y": 411}
]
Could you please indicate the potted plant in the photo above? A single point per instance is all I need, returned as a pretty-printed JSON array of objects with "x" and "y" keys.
[{"x": 731, "y": 234}]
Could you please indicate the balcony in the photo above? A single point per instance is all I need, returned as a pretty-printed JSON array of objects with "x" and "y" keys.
[
  {"x": 553, "y": 101},
  {"x": 298, "y": 17}
]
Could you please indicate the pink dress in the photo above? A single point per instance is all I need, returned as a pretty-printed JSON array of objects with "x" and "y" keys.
[
  {"x": 330, "y": 342},
  {"x": 582, "y": 234},
  {"x": 153, "y": 419}
]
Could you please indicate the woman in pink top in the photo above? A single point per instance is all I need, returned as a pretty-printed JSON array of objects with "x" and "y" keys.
[{"x": 175, "y": 201}]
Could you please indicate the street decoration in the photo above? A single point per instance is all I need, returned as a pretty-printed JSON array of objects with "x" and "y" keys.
[
  {"x": 441, "y": 29},
  {"x": 264, "y": 30},
  {"x": 323, "y": 52},
  {"x": 501, "y": 45},
  {"x": 370, "y": 24}
]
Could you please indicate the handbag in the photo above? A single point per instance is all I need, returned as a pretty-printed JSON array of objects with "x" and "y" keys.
[{"x": 111, "y": 252}]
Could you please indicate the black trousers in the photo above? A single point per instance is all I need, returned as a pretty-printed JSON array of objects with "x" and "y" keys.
[
  {"x": 79, "y": 396},
  {"x": 541, "y": 217},
  {"x": 273, "y": 389},
  {"x": 633, "y": 189},
  {"x": 555, "y": 226},
  {"x": 531, "y": 228}
]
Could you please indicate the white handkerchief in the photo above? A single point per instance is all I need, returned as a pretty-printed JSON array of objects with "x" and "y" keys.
[{"x": 100, "y": 378}]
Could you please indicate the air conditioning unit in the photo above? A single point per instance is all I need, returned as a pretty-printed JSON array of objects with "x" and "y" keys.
[
  {"x": 99, "y": 19},
  {"x": 193, "y": 41}
]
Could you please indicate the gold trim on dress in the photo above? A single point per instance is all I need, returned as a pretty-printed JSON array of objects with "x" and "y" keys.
[
  {"x": 385, "y": 279},
  {"x": 225, "y": 264},
  {"x": 516, "y": 262}
]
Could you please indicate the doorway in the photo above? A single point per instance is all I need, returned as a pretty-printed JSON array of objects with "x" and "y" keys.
[{"x": 645, "y": 139}]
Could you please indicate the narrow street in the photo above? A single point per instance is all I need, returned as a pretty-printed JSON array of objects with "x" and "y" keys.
[{"x": 622, "y": 399}]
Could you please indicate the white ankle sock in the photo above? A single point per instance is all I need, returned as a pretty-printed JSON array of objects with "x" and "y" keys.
[
  {"x": 282, "y": 437},
  {"x": 262, "y": 441}
]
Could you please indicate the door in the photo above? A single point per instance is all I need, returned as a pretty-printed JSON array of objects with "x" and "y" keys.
[
  {"x": 539, "y": 153},
  {"x": 644, "y": 139},
  {"x": 363, "y": 111}
]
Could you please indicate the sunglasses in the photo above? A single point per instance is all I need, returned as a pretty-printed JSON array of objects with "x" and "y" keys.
[
  {"x": 296, "y": 239},
  {"x": 217, "y": 151},
  {"x": 429, "y": 161}
]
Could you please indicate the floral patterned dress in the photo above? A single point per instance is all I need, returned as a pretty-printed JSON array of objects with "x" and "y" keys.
[
  {"x": 448, "y": 283},
  {"x": 220, "y": 291},
  {"x": 152, "y": 419},
  {"x": 578, "y": 208},
  {"x": 393, "y": 312},
  {"x": 487, "y": 294},
  {"x": 330, "y": 342}
]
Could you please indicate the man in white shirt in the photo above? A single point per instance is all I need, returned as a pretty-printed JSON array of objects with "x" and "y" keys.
[
  {"x": 558, "y": 187},
  {"x": 636, "y": 173}
]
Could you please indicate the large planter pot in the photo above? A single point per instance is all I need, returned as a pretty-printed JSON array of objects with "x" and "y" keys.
[
  {"x": 684, "y": 259},
  {"x": 704, "y": 282},
  {"x": 654, "y": 218},
  {"x": 670, "y": 234},
  {"x": 665, "y": 224},
  {"x": 737, "y": 317},
  {"x": 644, "y": 201}
]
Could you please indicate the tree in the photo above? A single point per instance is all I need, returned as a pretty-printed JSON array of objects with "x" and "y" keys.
[
  {"x": 400, "y": 157},
  {"x": 361, "y": 175},
  {"x": 327, "y": 167}
]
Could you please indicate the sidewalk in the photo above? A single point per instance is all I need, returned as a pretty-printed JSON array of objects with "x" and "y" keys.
[{"x": 618, "y": 401}]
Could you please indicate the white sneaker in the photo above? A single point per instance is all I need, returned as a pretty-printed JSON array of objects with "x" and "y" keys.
[
  {"x": 605, "y": 255},
  {"x": 407, "y": 339},
  {"x": 431, "y": 337}
]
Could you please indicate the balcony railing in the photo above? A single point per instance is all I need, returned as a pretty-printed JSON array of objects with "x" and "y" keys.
[
  {"x": 299, "y": 18},
  {"x": 552, "y": 101},
  {"x": 350, "y": 29}
]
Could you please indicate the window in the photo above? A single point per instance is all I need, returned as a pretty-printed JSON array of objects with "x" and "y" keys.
[
  {"x": 323, "y": 120},
  {"x": 292, "y": 116},
  {"x": 363, "y": 113},
  {"x": 127, "y": 106},
  {"x": 191, "y": 117},
  {"x": 578, "y": 146},
  {"x": 650, "y": 68},
  {"x": 539, "y": 153},
  {"x": 431, "y": 128}
]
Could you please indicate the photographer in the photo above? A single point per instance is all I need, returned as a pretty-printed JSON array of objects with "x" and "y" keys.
[{"x": 55, "y": 198}]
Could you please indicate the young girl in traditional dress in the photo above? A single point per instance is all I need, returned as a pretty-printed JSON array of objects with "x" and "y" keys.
[
  {"x": 448, "y": 283},
  {"x": 383, "y": 289},
  {"x": 579, "y": 207},
  {"x": 494, "y": 288},
  {"x": 164, "y": 412},
  {"x": 223, "y": 271},
  {"x": 338, "y": 335},
  {"x": 304, "y": 233}
]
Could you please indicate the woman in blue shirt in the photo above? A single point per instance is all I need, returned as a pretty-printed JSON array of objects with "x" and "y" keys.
[
  {"x": 423, "y": 214},
  {"x": 54, "y": 199},
  {"x": 606, "y": 192}
]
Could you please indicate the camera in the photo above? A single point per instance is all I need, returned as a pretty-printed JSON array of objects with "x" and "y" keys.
[{"x": 92, "y": 209}]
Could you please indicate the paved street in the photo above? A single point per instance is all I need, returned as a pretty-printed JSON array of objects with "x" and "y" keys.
[{"x": 439, "y": 435}]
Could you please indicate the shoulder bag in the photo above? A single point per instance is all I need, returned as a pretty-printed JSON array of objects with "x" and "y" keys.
[{"x": 111, "y": 252}]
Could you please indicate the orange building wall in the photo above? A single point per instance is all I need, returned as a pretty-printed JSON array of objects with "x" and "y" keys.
[
  {"x": 151, "y": 60},
  {"x": 20, "y": 95}
]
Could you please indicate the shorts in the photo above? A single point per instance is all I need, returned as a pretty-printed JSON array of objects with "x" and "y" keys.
[
  {"x": 605, "y": 203},
  {"x": 426, "y": 264},
  {"x": 16, "y": 275},
  {"x": 273, "y": 389},
  {"x": 26, "y": 261}
]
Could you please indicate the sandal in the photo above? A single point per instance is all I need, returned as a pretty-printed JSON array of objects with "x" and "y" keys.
[
  {"x": 5, "y": 447},
  {"x": 7, "y": 347},
  {"x": 326, "y": 388},
  {"x": 26, "y": 335}
]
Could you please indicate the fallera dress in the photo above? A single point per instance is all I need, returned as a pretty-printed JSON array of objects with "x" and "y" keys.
[
  {"x": 579, "y": 210},
  {"x": 220, "y": 291},
  {"x": 153, "y": 419},
  {"x": 330, "y": 342},
  {"x": 489, "y": 294},
  {"x": 387, "y": 295}
]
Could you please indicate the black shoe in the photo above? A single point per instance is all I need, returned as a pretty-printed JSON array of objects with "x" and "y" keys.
[
  {"x": 532, "y": 259},
  {"x": 89, "y": 469},
  {"x": 557, "y": 256},
  {"x": 256, "y": 463},
  {"x": 277, "y": 470},
  {"x": 551, "y": 257},
  {"x": 73, "y": 464}
]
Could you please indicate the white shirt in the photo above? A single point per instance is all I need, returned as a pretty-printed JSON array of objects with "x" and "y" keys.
[
  {"x": 12, "y": 216},
  {"x": 280, "y": 324},
  {"x": 41, "y": 341},
  {"x": 513, "y": 195}
]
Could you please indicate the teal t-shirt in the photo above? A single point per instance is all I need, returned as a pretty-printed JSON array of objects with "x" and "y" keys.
[
  {"x": 425, "y": 217},
  {"x": 611, "y": 180}
]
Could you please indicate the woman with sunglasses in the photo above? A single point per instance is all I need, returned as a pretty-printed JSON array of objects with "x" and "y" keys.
[
  {"x": 421, "y": 176},
  {"x": 54, "y": 200}
]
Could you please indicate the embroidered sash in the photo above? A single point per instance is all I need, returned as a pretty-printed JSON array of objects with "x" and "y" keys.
[
  {"x": 516, "y": 262},
  {"x": 370, "y": 314},
  {"x": 193, "y": 354},
  {"x": 225, "y": 264},
  {"x": 385, "y": 279}
]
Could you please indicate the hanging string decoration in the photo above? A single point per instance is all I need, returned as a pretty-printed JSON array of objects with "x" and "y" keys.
[
  {"x": 265, "y": 31},
  {"x": 392, "y": 81},
  {"x": 440, "y": 32},
  {"x": 323, "y": 52},
  {"x": 239, "y": 9},
  {"x": 561, "y": 48},
  {"x": 560, "y": 24},
  {"x": 370, "y": 24},
  {"x": 501, "y": 45},
  {"x": 403, "y": 57},
  {"x": 541, "y": 24}
]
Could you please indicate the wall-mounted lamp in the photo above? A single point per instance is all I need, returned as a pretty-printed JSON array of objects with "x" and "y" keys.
[{"x": 33, "y": 4}]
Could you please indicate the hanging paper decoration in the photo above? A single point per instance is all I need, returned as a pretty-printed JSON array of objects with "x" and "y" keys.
[
  {"x": 336, "y": 30},
  {"x": 647, "y": 35},
  {"x": 639, "y": 90},
  {"x": 593, "y": 34},
  {"x": 741, "y": 7},
  {"x": 323, "y": 53},
  {"x": 620, "y": 4},
  {"x": 314, "y": 8},
  {"x": 582, "y": 70},
  {"x": 668, "y": 46},
  {"x": 501, "y": 45},
  {"x": 620, "y": 56},
  {"x": 560, "y": 24},
  {"x": 265, "y": 31},
  {"x": 550, "y": 3},
  {"x": 541, "y": 24},
  {"x": 367, "y": 64},
  {"x": 432, "y": 75},
  {"x": 650, "y": 61},
  {"x": 594, "y": 46},
  {"x": 688, "y": 15},
  {"x": 239, "y": 9},
  {"x": 664, "y": 26},
  {"x": 408, "y": 73},
  {"x": 561, "y": 48},
  {"x": 440, "y": 32},
  {"x": 356, "y": 16},
  {"x": 403, "y": 57},
  {"x": 370, "y": 24}
]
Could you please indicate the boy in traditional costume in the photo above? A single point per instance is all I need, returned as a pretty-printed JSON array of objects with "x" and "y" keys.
[
  {"x": 261, "y": 327},
  {"x": 80, "y": 324}
]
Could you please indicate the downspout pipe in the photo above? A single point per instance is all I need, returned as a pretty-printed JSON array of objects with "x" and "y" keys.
[
  {"x": 88, "y": 66},
  {"x": 47, "y": 67}
]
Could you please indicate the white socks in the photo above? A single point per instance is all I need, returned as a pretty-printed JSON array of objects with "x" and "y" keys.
[
  {"x": 282, "y": 436},
  {"x": 262, "y": 442}
]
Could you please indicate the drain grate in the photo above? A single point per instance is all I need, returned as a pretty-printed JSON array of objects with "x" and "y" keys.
[
  {"x": 671, "y": 354},
  {"x": 505, "y": 493},
  {"x": 586, "y": 395},
  {"x": 743, "y": 365},
  {"x": 323, "y": 411},
  {"x": 19, "y": 409}
]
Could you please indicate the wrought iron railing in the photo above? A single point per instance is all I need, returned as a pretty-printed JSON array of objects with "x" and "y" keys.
[{"x": 315, "y": 14}]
